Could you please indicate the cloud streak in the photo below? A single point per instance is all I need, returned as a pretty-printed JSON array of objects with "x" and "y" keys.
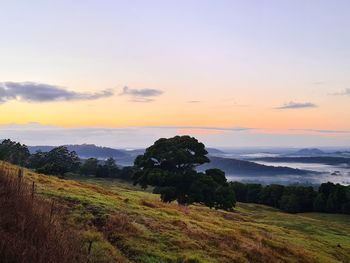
[
  {"x": 345, "y": 92},
  {"x": 141, "y": 95},
  {"x": 323, "y": 131},
  {"x": 296, "y": 105},
  {"x": 39, "y": 92}
]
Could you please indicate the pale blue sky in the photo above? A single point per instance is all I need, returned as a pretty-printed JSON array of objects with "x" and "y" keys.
[
  {"x": 118, "y": 40},
  {"x": 273, "y": 66}
]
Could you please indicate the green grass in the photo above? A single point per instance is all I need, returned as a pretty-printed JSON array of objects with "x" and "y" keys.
[{"x": 127, "y": 224}]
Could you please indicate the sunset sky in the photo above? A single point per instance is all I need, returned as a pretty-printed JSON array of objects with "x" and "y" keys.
[{"x": 123, "y": 73}]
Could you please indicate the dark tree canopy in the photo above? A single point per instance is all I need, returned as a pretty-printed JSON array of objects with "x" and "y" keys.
[
  {"x": 271, "y": 194},
  {"x": 179, "y": 154},
  {"x": 169, "y": 165},
  {"x": 211, "y": 189},
  {"x": 330, "y": 197},
  {"x": 320, "y": 203},
  {"x": 89, "y": 167},
  {"x": 59, "y": 161},
  {"x": 37, "y": 160},
  {"x": 108, "y": 169},
  {"x": 14, "y": 152},
  {"x": 290, "y": 203}
]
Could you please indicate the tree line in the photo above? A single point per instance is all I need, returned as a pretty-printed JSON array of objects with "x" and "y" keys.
[
  {"x": 169, "y": 167},
  {"x": 328, "y": 197},
  {"x": 60, "y": 161}
]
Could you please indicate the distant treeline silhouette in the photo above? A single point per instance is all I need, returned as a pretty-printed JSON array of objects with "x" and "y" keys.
[
  {"x": 60, "y": 161},
  {"x": 329, "y": 197}
]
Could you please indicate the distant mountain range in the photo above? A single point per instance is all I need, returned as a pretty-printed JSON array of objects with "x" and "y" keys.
[
  {"x": 309, "y": 152},
  {"x": 315, "y": 152}
]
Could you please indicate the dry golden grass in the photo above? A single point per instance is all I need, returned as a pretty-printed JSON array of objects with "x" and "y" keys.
[{"x": 31, "y": 228}]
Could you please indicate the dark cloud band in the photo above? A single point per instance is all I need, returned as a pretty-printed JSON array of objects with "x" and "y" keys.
[
  {"x": 345, "y": 92},
  {"x": 141, "y": 95},
  {"x": 296, "y": 105},
  {"x": 38, "y": 92}
]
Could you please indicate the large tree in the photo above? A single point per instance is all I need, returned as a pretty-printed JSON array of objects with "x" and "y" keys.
[{"x": 170, "y": 166}]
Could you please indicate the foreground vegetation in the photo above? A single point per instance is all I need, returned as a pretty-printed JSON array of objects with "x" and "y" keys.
[
  {"x": 31, "y": 228},
  {"x": 126, "y": 224}
]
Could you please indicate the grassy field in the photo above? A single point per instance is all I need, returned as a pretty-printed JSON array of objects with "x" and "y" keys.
[{"x": 125, "y": 224}]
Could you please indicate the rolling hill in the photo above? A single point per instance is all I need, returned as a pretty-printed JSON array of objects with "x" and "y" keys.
[
  {"x": 242, "y": 167},
  {"x": 127, "y": 224},
  {"x": 309, "y": 152}
]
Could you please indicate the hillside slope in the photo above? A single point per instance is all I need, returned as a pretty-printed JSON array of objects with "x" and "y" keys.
[
  {"x": 126, "y": 224},
  {"x": 243, "y": 167}
]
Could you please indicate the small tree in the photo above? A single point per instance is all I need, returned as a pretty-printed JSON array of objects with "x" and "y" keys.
[
  {"x": 346, "y": 208},
  {"x": 108, "y": 169},
  {"x": 14, "y": 152},
  {"x": 112, "y": 167},
  {"x": 59, "y": 161},
  {"x": 89, "y": 167},
  {"x": 37, "y": 160},
  {"x": 271, "y": 194},
  {"x": 253, "y": 193},
  {"x": 290, "y": 203},
  {"x": 170, "y": 166},
  {"x": 320, "y": 203},
  {"x": 240, "y": 191},
  {"x": 211, "y": 189}
]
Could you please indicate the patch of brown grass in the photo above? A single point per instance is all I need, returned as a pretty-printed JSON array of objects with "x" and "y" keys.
[
  {"x": 120, "y": 223},
  {"x": 31, "y": 228},
  {"x": 148, "y": 204}
]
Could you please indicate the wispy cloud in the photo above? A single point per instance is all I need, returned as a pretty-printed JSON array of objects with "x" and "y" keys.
[
  {"x": 141, "y": 95},
  {"x": 323, "y": 131},
  {"x": 39, "y": 92},
  {"x": 296, "y": 105},
  {"x": 345, "y": 92},
  {"x": 194, "y": 101}
]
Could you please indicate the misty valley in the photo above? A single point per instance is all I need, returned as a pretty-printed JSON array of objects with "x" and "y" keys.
[{"x": 250, "y": 165}]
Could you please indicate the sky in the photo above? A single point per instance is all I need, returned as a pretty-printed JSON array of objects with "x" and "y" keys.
[{"x": 124, "y": 73}]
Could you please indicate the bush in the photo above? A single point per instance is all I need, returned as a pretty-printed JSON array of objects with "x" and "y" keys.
[
  {"x": 346, "y": 208},
  {"x": 290, "y": 203}
]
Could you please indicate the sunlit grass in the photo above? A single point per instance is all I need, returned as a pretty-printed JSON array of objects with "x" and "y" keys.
[{"x": 128, "y": 224}]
